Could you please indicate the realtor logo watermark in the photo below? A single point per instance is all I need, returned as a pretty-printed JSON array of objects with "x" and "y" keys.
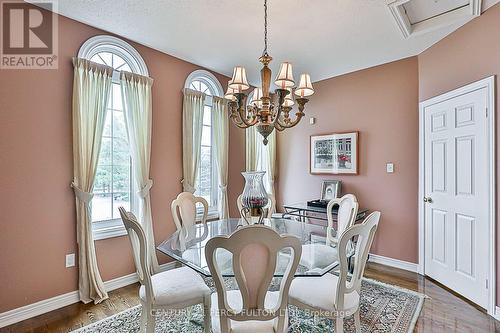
[{"x": 29, "y": 37}]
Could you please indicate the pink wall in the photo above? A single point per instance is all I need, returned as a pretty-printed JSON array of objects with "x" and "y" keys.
[
  {"x": 469, "y": 54},
  {"x": 37, "y": 228},
  {"x": 382, "y": 104}
]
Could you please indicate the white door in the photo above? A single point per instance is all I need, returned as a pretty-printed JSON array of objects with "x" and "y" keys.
[{"x": 456, "y": 187}]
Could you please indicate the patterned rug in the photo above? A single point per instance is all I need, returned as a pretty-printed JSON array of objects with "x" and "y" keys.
[{"x": 384, "y": 308}]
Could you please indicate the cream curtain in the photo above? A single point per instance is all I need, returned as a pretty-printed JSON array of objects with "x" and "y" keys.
[
  {"x": 91, "y": 90},
  {"x": 192, "y": 126},
  {"x": 251, "y": 148},
  {"x": 137, "y": 107},
  {"x": 221, "y": 144},
  {"x": 260, "y": 157},
  {"x": 270, "y": 149}
]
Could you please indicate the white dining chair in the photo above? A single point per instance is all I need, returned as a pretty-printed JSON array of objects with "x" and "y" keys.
[
  {"x": 271, "y": 206},
  {"x": 177, "y": 288},
  {"x": 337, "y": 296},
  {"x": 184, "y": 209},
  {"x": 346, "y": 215},
  {"x": 317, "y": 254},
  {"x": 252, "y": 308}
]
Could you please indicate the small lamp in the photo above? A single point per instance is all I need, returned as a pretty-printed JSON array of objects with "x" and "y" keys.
[
  {"x": 239, "y": 80},
  {"x": 305, "y": 87},
  {"x": 285, "y": 76}
]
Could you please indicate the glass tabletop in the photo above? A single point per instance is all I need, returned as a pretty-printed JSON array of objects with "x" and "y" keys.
[{"x": 188, "y": 246}]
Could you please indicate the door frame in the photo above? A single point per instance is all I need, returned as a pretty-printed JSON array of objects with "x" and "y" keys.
[{"x": 489, "y": 84}]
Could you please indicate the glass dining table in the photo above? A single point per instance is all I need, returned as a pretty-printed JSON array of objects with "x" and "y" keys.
[{"x": 188, "y": 246}]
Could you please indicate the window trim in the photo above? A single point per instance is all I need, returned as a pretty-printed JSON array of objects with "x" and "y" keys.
[
  {"x": 104, "y": 43},
  {"x": 209, "y": 79}
]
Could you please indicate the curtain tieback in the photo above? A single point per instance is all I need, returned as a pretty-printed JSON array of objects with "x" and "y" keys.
[
  {"x": 188, "y": 187},
  {"x": 83, "y": 196},
  {"x": 223, "y": 188},
  {"x": 144, "y": 191}
]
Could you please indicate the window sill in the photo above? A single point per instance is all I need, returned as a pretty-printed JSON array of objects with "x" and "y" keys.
[
  {"x": 108, "y": 229},
  {"x": 213, "y": 214}
]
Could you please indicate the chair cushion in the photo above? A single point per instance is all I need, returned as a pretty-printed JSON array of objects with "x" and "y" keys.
[
  {"x": 321, "y": 293},
  {"x": 318, "y": 255},
  {"x": 176, "y": 286},
  {"x": 251, "y": 326}
]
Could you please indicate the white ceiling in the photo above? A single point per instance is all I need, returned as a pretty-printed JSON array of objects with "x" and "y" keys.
[{"x": 323, "y": 37}]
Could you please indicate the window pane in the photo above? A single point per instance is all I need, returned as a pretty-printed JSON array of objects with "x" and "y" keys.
[
  {"x": 102, "y": 183},
  {"x": 205, "y": 177},
  {"x": 119, "y": 129},
  {"x": 206, "y": 136},
  {"x": 107, "y": 124},
  {"x": 121, "y": 178},
  {"x": 117, "y": 61},
  {"x": 121, "y": 154},
  {"x": 97, "y": 59},
  {"x": 207, "y": 116},
  {"x": 105, "y": 154},
  {"x": 101, "y": 207},
  {"x": 106, "y": 58},
  {"x": 117, "y": 97},
  {"x": 126, "y": 68},
  {"x": 120, "y": 200}
]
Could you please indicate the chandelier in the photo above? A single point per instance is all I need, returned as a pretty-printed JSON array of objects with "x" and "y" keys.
[{"x": 267, "y": 111}]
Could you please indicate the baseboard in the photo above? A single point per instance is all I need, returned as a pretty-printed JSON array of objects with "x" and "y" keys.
[
  {"x": 32, "y": 310},
  {"x": 496, "y": 315},
  {"x": 405, "y": 265},
  {"x": 35, "y": 309}
]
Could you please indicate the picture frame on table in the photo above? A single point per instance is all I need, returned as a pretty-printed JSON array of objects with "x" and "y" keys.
[
  {"x": 330, "y": 189},
  {"x": 335, "y": 153}
]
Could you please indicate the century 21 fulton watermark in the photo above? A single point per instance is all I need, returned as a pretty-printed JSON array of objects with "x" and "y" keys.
[{"x": 29, "y": 37}]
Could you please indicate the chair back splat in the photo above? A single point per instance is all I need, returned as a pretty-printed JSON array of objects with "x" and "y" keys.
[{"x": 254, "y": 250}]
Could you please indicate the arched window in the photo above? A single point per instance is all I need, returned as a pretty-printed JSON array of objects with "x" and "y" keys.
[
  {"x": 207, "y": 183},
  {"x": 113, "y": 186}
]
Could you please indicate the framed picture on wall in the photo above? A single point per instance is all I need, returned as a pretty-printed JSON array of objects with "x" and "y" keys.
[{"x": 335, "y": 153}]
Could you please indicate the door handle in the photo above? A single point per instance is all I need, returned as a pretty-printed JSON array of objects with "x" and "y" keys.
[{"x": 428, "y": 199}]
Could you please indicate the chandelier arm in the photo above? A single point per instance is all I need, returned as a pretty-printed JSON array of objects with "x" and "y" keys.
[
  {"x": 279, "y": 127},
  {"x": 296, "y": 121},
  {"x": 241, "y": 111},
  {"x": 300, "y": 113},
  {"x": 253, "y": 121}
]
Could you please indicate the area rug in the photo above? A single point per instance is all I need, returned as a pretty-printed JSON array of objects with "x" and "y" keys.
[{"x": 384, "y": 309}]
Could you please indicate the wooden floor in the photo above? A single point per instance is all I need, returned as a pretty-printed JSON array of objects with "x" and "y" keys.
[{"x": 443, "y": 312}]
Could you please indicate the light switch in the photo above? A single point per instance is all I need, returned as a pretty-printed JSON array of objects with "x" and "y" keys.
[
  {"x": 312, "y": 120},
  {"x": 390, "y": 167},
  {"x": 70, "y": 260}
]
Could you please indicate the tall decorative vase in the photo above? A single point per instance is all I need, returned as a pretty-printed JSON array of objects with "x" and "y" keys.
[{"x": 254, "y": 197}]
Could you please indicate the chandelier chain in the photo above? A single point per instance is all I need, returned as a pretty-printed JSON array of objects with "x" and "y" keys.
[{"x": 265, "y": 28}]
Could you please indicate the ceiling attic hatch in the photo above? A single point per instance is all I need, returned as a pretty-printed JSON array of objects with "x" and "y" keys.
[{"x": 414, "y": 17}]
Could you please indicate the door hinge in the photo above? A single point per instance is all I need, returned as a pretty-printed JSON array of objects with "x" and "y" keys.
[
  {"x": 487, "y": 285},
  {"x": 486, "y": 112}
]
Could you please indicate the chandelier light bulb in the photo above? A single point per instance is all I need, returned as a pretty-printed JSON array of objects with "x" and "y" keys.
[
  {"x": 230, "y": 92},
  {"x": 256, "y": 98},
  {"x": 289, "y": 101}
]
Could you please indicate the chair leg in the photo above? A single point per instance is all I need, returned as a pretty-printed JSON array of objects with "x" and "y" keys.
[
  {"x": 207, "y": 321},
  {"x": 144, "y": 319},
  {"x": 151, "y": 324},
  {"x": 357, "y": 321},
  {"x": 339, "y": 325}
]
